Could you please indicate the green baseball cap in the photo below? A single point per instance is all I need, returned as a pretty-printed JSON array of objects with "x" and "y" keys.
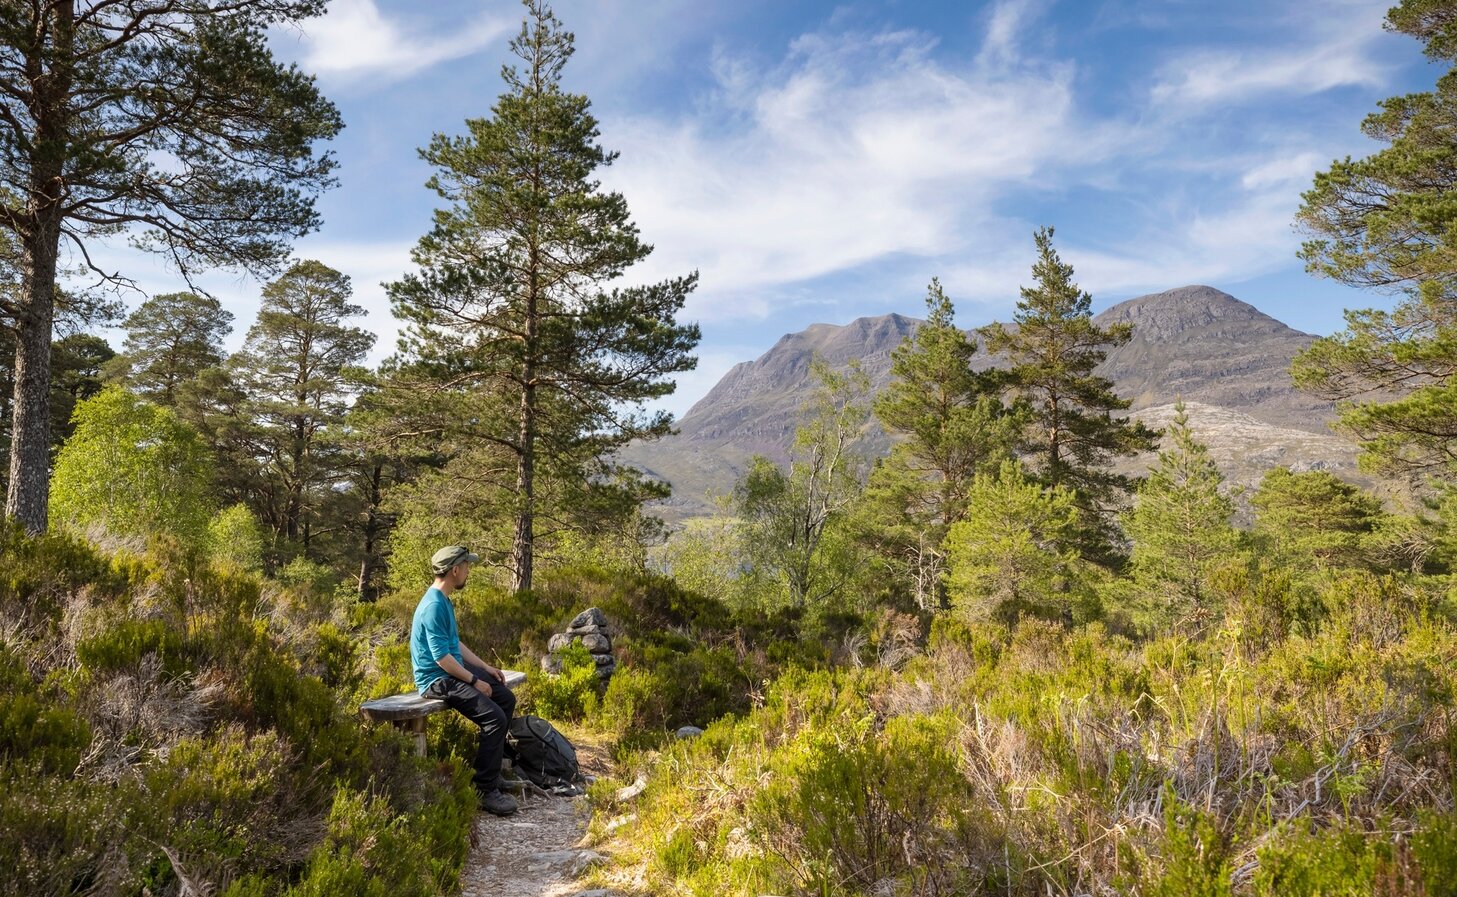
[{"x": 451, "y": 555}]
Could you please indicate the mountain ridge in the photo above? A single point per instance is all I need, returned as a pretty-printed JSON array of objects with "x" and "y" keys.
[{"x": 1196, "y": 343}]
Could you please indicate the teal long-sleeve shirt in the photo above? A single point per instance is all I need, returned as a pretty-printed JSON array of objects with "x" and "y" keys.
[{"x": 433, "y": 635}]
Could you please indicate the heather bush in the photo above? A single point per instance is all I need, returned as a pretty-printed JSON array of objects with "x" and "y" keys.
[
  {"x": 663, "y": 687},
  {"x": 162, "y": 721},
  {"x": 1075, "y": 759}
]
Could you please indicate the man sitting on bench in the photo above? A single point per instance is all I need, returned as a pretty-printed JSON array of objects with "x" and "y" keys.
[{"x": 452, "y": 672}]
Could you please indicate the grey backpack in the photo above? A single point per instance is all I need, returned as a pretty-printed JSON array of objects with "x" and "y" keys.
[{"x": 543, "y": 755}]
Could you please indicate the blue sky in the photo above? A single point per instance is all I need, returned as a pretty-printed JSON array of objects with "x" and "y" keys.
[{"x": 822, "y": 161}]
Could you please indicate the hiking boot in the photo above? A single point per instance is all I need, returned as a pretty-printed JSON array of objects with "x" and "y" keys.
[{"x": 498, "y": 803}]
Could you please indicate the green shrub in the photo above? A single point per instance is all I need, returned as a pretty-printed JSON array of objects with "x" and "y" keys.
[
  {"x": 36, "y": 572},
  {"x": 372, "y": 850},
  {"x": 658, "y": 689},
  {"x": 210, "y": 797},
  {"x": 234, "y": 537},
  {"x": 311, "y": 588},
  {"x": 1195, "y": 856},
  {"x": 238, "y": 802},
  {"x": 64, "y": 836},
  {"x": 570, "y": 694},
  {"x": 847, "y": 805},
  {"x": 123, "y": 643},
  {"x": 1336, "y": 862},
  {"x": 35, "y": 735},
  {"x": 1435, "y": 847},
  {"x": 274, "y": 694},
  {"x": 337, "y": 657}
]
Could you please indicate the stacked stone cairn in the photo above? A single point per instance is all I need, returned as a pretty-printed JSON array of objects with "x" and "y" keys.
[{"x": 590, "y": 627}]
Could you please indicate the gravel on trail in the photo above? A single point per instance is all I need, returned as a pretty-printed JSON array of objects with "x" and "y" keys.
[{"x": 535, "y": 853}]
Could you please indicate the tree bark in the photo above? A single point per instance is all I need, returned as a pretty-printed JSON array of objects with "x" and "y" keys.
[
  {"x": 523, "y": 547},
  {"x": 367, "y": 566},
  {"x": 28, "y": 496}
]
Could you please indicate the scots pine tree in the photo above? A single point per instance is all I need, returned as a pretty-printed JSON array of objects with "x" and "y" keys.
[
  {"x": 168, "y": 120},
  {"x": 950, "y": 426},
  {"x": 77, "y": 365},
  {"x": 1072, "y": 435},
  {"x": 1387, "y": 222},
  {"x": 170, "y": 339},
  {"x": 1015, "y": 552},
  {"x": 293, "y": 369},
  {"x": 1180, "y": 526},
  {"x": 1314, "y": 519},
  {"x": 516, "y": 349}
]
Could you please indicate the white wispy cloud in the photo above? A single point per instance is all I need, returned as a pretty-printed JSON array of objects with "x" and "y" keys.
[
  {"x": 863, "y": 148},
  {"x": 1216, "y": 237},
  {"x": 1333, "y": 50},
  {"x": 856, "y": 148},
  {"x": 1283, "y": 170},
  {"x": 1006, "y": 21},
  {"x": 354, "y": 39}
]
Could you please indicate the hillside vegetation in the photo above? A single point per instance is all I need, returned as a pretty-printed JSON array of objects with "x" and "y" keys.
[{"x": 944, "y": 635}]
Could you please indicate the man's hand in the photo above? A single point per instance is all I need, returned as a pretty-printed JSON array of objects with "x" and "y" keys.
[
  {"x": 482, "y": 686},
  {"x": 497, "y": 674}
]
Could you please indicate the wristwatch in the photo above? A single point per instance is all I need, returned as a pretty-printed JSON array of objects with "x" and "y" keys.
[{"x": 473, "y": 679}]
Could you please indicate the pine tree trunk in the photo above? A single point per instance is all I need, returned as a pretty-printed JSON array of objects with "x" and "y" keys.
[
  {"x": 28, "y": 495},
  {"x": 27, "y": 498},
  {"x": 523, "y": 547},
  {"x": 293, "y": 512},
  {"x": 367, "y": 566}
]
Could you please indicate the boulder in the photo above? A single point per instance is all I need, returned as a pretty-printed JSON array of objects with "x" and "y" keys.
[
  {"x": 551, "y": 663},
  {"x": 689, "y": 732},
  {"x": 559, "y": 642}
]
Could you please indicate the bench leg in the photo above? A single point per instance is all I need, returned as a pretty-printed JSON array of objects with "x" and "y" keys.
[{"x": 416, "y": 729}]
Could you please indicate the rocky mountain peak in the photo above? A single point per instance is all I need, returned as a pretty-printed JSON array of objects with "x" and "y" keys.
[
  {"x": 786, "y": 366},
  {"x": 1191, "y": 313}
]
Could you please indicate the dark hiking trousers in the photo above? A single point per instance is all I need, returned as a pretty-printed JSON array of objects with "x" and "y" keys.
[{"x": 492, "y": 714}]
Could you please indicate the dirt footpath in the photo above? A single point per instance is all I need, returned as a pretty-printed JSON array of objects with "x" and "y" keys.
[
  {"x": 537, "y": 852},
  {"x": 532, "y": 854}
]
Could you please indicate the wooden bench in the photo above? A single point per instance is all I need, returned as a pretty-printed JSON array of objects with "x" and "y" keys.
[{"x": 407, "y": 712}]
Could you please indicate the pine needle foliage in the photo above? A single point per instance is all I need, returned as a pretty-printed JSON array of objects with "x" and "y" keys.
[
  {"x": 1072, "y": 434},
  {"x": 1387, "y": 222},
  {"x": 951, "y": 425},
  {"x": 170, "y": 339},
  {"x": 514, "y": 340},
  {"x": 1180, "y": 527}
]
